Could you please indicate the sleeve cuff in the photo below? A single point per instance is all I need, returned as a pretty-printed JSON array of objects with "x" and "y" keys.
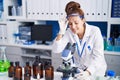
[{"x": 91, "y": 70}]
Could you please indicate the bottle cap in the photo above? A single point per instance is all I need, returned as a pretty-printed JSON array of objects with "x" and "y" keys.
[
  {"x": 37, "y": 57},
  {"x": 11, "y": 63},
  {"x": 27, "y": 63},
  {"x": 110, "y": 73},
  {"x": 110, "y": 39},
  {"x": 17, "y": 63}
]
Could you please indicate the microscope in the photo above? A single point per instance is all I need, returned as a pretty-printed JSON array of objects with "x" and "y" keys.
[{"x": 68, "y": 67}]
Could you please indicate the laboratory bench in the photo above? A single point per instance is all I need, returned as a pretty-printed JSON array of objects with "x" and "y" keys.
[{"x": 57, "y": 76}]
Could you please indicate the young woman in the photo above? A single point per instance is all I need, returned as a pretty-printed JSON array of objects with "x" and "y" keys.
[{"x": 89, "y": 55}]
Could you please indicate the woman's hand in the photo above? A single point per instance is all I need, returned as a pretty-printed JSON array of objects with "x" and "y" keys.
[
  {"x": 83, "y": 75},
  {"x": 63, "y": 25}
]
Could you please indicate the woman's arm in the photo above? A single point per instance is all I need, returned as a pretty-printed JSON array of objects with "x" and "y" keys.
[{"x": 59, "y": 36}]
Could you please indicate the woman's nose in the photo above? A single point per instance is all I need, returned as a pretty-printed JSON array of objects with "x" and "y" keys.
[{"x": 73, "y": 26}]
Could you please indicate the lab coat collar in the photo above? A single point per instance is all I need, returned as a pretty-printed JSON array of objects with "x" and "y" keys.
[{"x": 87, "y": 33}]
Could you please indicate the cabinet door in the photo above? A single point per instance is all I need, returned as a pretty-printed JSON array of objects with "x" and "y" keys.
[
  {"x": 55, "y": 9},
  {"x": 38, "y": 9}
]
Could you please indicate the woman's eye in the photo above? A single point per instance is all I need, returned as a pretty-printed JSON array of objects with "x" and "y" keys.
[
  {"x": 76, "y": 23},
  {"x": 69, "y": 24}
]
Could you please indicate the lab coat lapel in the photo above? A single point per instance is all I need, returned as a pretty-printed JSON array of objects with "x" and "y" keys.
[
  {"x": 87, "y": 34},
  {"x": 77, "y": 40},
  {"x": 85, "y": 39}
]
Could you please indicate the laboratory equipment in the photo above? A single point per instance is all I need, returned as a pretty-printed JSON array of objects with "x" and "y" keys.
[
  {"x": 105, "y": 42},
  {"x": 110, "y": 75},
  {"x": 18, "y": 71},
  {"x": 110, "y": 44},
  {"x": 68, "y": 68},
  {"x": 41, "y": 33},
  {"x": 11, "y": 70},
  {"x": 16, "y": 35},
  {"x": 37, "y": 68},
  {"x": 117, "y": 45},
  {"x": 4, "y": 62},
  {"x": 27, "y": 71},
  {"x": 49, "y": 71}
]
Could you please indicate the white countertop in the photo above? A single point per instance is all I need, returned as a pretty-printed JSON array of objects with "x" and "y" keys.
[
  {"x": 57, "y": 76},
  {"x": 4, "y": 76}
]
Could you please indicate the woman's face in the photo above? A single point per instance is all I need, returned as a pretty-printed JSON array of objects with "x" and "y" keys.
[{"x": 76, "y": 24}]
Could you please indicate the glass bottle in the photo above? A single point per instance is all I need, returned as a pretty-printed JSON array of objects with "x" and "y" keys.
[
  {"x": 4, "y": 62},
  {"x": 40, "y": 69},
  {"x": 49, "y": 71},
  {"x": 11, "y": 70},
  {"x": 37, "y": 68},
  {"x": 27, "y": 72},
  {"x": 109, "y": 45},
  {"x": 18, "y": 71},
  {"x": 105, "y": 42}
]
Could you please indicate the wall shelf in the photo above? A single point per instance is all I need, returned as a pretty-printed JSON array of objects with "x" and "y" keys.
[
  {"x": 3, "y": 22},
  {"x": 44, "y": 47},
  {"x": 112, "y": 53}
]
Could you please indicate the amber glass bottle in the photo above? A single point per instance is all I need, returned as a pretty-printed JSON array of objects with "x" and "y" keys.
[
  {"x": 11, "y": 70},
  {"x": 35, "y": 64},
  {"x": 37, "y": 68},
  {"x": 18, "y": 71},
  {"x": 40, "y": 69},
  {"x": 27, "y": 72},
  {"x": 49, "y": 71}
]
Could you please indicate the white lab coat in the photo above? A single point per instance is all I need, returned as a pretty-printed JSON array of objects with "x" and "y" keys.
[{"x": 93, "y": 52}]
